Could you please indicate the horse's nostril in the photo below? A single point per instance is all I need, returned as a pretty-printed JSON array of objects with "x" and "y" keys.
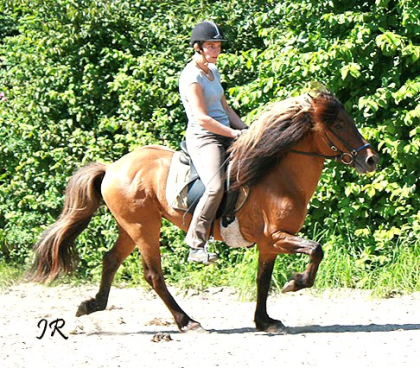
[{"x": 372, "y": 160}]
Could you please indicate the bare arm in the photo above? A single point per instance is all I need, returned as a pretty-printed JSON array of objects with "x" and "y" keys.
[{"x": 234, "y": 119}]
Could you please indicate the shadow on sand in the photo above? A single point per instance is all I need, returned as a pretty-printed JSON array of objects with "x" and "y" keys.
[{"x": 291, "y": 330}]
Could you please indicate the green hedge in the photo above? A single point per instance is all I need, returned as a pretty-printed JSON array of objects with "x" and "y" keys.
[{"x": 90, "y": 80}]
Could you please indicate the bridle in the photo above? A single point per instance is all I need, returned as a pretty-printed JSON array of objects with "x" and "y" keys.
[{"x": 346, "y": 158}]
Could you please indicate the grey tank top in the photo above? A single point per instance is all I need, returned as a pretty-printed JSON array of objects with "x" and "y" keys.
[{"x": 213, "y": 93}]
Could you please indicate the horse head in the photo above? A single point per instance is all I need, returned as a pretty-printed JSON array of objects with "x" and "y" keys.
[{"x": 337, "y": 136}]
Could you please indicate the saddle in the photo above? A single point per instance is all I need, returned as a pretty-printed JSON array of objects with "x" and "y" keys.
[{"x": 187, "y": 188}]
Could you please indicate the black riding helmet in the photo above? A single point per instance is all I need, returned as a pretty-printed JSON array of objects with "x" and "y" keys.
[{"x": 206, "y": 31}]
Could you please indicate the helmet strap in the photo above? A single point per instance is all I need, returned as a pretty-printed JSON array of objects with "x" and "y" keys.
[{"x": 199, "y": 57}]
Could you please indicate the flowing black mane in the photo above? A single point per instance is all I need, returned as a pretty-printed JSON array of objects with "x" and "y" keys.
[{"x": 279, "y": 128}]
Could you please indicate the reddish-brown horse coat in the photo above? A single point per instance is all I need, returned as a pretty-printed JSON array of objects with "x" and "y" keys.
[{"x": 280, "y": 159}]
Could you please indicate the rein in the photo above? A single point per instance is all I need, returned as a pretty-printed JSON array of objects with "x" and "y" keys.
[{"x": 346, "y": 158}]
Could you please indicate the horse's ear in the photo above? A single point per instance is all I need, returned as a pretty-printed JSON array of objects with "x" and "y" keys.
[{"x": 312, "y": 98}]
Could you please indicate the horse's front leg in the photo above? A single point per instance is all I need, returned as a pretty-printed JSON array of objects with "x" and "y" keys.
[
  {"x": 262, "y": 320},
  {"x": 291, "y": 244},
  {"x": 288, "y": 244}
]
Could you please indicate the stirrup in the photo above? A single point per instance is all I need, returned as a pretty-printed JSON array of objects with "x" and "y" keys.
[{"x": 200, "y": 255}]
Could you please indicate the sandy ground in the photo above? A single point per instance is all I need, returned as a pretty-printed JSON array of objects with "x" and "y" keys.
[{"x": 344, "y": 329}]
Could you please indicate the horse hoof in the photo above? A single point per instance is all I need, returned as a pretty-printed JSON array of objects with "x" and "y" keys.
[
  {"x": 273, "y": 327},
  {"x": 277, "y": 328},
  {"x": 289, "y": 286},
  {"x": 297, "y": 282},
  {"x": 82, "y": 310},
  {"x": 193, "y": 326}
]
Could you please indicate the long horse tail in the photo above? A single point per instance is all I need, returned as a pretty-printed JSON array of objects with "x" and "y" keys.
[{"x": 55, "y": 252}]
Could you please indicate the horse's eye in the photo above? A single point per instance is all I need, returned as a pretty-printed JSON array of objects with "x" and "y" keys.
[{"x": 338, "y": 127}]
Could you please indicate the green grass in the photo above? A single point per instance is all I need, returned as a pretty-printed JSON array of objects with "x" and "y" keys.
[
  {"x": 401, "y": 274},
  {"x": 10, "y": 274}
]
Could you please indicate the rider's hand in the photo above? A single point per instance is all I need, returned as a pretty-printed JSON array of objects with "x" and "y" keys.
[{"x": 239, "y": 132}]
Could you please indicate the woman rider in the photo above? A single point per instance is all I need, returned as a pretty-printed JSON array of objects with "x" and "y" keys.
[{"x": 212, "y": 125}]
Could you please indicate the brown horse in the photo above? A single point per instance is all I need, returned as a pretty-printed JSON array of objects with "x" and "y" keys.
[{"x": 280, "y": 159}]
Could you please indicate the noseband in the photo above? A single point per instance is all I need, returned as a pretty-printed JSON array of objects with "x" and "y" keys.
[{"x": 346, "y": 158}]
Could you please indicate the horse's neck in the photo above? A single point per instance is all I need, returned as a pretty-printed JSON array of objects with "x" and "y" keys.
[
  {"x": 298, "y": 174},
  {"x": 280, "y": 200}
]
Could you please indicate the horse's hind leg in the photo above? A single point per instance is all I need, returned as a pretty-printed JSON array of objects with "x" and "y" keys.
[
  {"x": 153, "y": 275},
  {"x": 111, "y": 261},
  {"x": 146, "y": 233}
]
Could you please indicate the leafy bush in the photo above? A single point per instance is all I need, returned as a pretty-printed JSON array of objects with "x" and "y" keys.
[{"x": 91, "y": 80}]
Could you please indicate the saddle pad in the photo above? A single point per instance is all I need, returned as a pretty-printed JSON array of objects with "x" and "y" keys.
[
  {"x": 232, "y": 236},
  {"x": 177, "y": 183}
]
